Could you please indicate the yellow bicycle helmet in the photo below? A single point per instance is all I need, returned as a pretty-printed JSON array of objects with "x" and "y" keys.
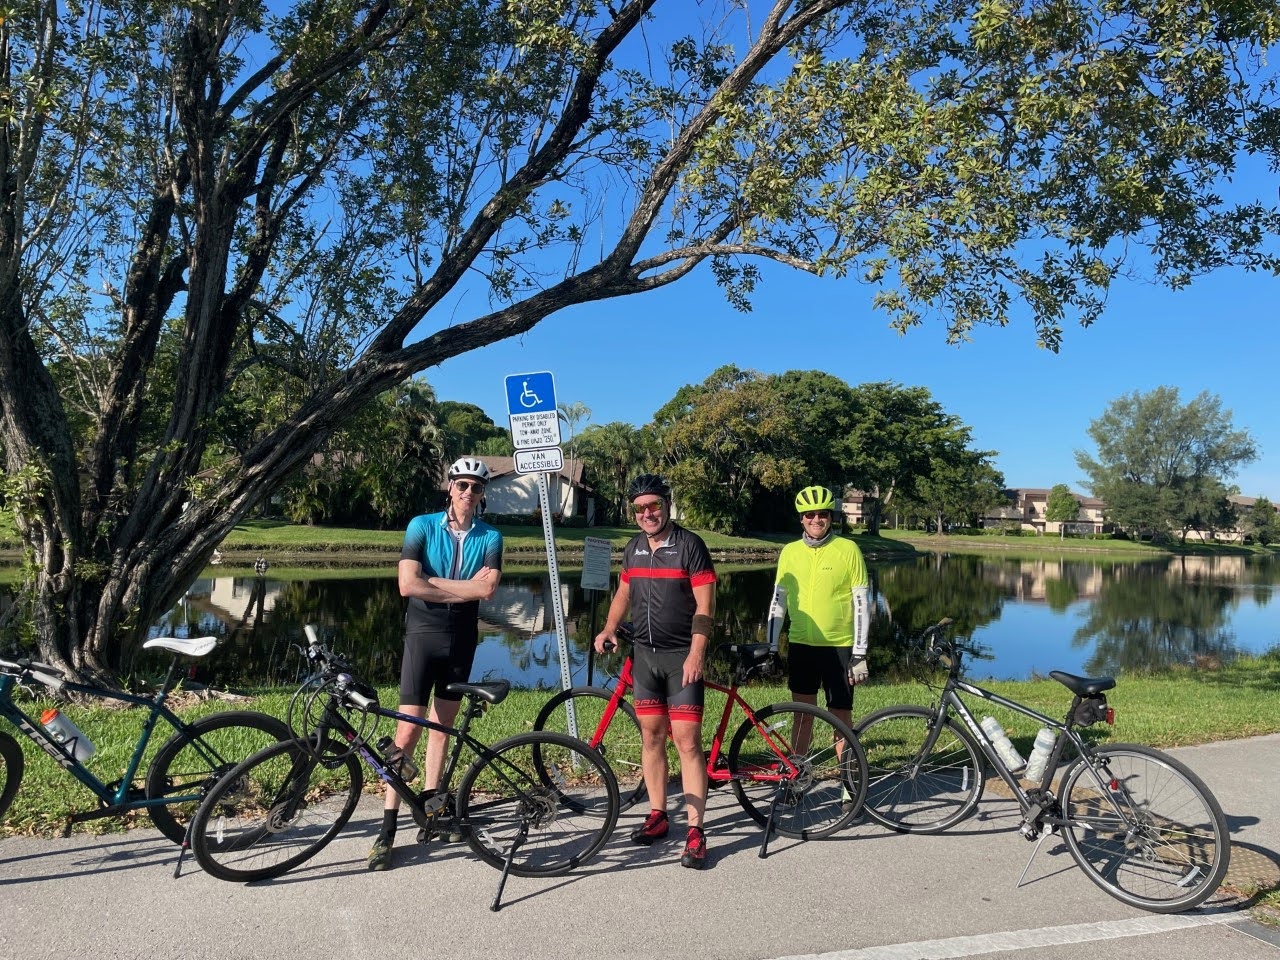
[{"x": 814, "y": 498}]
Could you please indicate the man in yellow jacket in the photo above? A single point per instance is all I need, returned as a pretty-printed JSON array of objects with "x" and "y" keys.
[{"x": 822, "y": 587}]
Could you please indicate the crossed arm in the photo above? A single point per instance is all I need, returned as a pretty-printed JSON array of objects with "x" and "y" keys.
[{"x": 414, "y": 583}]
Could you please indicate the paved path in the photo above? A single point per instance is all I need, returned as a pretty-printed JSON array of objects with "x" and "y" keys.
[{"x": 868, "y": 895}]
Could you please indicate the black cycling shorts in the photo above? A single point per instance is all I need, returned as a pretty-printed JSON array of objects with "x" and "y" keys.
[
  {"x": 826, "y": 667},
  {"x": 660, "y": 690},
  {"x": 433, "y": 659}
]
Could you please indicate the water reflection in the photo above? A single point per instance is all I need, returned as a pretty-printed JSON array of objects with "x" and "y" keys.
[{"x": 1027, "y": 617}]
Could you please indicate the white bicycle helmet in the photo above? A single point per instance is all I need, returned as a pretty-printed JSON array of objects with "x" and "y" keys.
[{"x": 469, "y": 467}]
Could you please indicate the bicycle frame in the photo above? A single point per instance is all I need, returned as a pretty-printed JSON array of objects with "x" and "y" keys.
[
  {"x": 1064, "y": 734},
  {"x": 1037, "y": 803},
  {"x": 716, "y": 772},
  {"x": 460, "y": 736},
  {"x": 120, "y": 796}
]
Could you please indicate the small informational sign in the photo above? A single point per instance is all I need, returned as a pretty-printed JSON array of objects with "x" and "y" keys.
[
  {"x": 597, "y": 562},
  {"x": 548, "y": 460},
  {"x": 531, "y": 405}
]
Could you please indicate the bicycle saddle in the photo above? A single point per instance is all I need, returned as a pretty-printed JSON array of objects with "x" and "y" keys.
[
  {"x": 1083, "y": 686},
  {"x": 191, "y": 646},
  {"x": 493, "y": 692}
]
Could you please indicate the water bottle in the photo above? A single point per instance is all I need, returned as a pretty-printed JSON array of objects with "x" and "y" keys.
[
  {"x": 1039, "y": 758},
  {"x": 1004, "y": 746},
  {"x": 76, "y": 742},
  {"x": 397, "y": 759}
]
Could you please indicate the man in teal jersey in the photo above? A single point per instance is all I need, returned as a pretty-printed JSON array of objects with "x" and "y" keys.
[
  {"x": 822, "y": 587},
  {"x": 450, "y": 561}
]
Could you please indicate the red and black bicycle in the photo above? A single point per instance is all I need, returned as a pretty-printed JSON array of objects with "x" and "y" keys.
[{"x": 794, "y": 767}]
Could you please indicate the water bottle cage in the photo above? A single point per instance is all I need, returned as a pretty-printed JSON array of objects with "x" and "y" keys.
[{"x": 1090, "y": 711}]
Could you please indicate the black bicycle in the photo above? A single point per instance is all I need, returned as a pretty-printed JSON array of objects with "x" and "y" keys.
[
  {"x": 535, "y": 804},
  {"x": 183, "y": 769},
  {"x": 1140, "y": 825}
]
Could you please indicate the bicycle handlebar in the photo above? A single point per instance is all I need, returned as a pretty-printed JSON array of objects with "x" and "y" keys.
[{"x": 45, "y": 674}]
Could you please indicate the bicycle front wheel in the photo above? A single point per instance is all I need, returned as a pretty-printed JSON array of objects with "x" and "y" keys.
[
  {"x": 545, "y": 800},
  {"x": 1145, "y": 828},
  {"x": 190, "y": 762},
  {"x": 618, "y": 743},
  {"x": 276, "y": 810},
  {"x": 825, "y": 793},
  {"x": 912, "y": 791},
  {"x": 11, "y": 766}
]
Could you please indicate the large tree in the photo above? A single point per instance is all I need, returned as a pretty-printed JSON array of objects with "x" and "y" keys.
[
  {"x": 299, "y": 195},
  {"x": 1062, "y": 508},
  {"x": 1162, "y": 465},
  {"x": 898, "y": 436}
]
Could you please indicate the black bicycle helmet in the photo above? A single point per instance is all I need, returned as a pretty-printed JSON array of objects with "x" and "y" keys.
[{"x": 649, "y": 483}]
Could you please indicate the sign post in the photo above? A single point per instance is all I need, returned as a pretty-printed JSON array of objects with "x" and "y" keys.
[
  {"x": 535, "y": 432},
  {"x": 597, "y": 560}
]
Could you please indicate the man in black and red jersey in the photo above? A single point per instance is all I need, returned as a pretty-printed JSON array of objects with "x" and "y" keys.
[{"x": 669, "y": 586}]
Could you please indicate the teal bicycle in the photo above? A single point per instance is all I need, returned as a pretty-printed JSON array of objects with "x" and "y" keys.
[{"x": 183, "y": 770}]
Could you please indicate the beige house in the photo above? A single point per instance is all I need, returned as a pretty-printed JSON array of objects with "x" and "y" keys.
[
  {"x": 512, "y": 493},
  {"x": 1028, "y": 505}
]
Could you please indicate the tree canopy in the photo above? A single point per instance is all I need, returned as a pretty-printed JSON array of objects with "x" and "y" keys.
[
  {"x": 227, "y": 226},
  {"x": 1061, "y": 508},
  {"x": 1164, "y": 466}
]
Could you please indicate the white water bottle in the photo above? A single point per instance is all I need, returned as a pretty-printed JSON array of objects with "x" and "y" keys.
[
  {"x": 1039, "y": 758},
  {"x": 76, "y": 742},
  {"x": 1004, "y": 746}
]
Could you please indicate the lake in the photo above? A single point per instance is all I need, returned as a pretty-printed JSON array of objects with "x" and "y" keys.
[{"x": 1026, "y": 616}]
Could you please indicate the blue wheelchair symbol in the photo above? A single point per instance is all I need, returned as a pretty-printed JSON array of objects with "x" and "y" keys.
[{"x": 530, "y": 392}]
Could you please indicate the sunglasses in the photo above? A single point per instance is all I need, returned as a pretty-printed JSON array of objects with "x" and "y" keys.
[
  {"x": 653, "y": 506},
  {"x": 815, "y": 514},
  {"x": 466, "y": 485}
]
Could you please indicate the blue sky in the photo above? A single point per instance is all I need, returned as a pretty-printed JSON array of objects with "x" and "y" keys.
[{"x": 625, "y": 358}]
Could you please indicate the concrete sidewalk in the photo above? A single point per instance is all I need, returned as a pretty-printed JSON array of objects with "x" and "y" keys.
[{"x": 866, "y": 895}]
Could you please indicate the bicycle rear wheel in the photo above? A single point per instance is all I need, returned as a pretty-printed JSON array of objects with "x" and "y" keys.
[
  {"x": 828, "y": 791},
  {"x": 1145, "y": 829},
  {"x": 619, "y": 744},
  {"x": 276, "y": 810},
  {"x": 189, "y": 763},
  {"x": 912, "y": 792},
  {"x": 11, "y": 767},
  {"x": 550, "y": 796}
]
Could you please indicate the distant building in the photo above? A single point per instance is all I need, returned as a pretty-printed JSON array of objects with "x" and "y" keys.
[
  {"x": 1026, "y": 508},
  {"x": 516, "y": 494}
]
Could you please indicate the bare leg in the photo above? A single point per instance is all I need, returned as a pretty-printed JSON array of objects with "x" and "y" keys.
[
  {"x": 693, "y": 768},
  {"x": 653, "y": 758},
  {"x": 443, "y": 712},
  {"x": 407, "y": 735}
]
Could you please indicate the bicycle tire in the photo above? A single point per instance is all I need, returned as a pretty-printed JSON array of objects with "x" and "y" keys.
[
  {"x": 913, "y": 794},
  {"x": 12, "y": 764},
  {"x": 1164, "y": 844},
  {"x": 191, "y": 762},
  {"x": 553, "y": 793},
  {"x": 276, "y": 810},
  {"x": 831, "y": 787},
  {"x": 620, "y": 744}
]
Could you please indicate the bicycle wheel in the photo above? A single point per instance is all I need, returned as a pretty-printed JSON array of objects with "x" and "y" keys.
[
  {"x": 276, "y": 810},
  {"x": 189, "y": 763},
  {"x": 620, "y": 743},
  {"x": 11, "y": 766},
  {"x": 912, "y": 793},
  {"x": 549, "y": 796},
  {"x": 829, "y": 789},
  {"x": 1145, "y": 828}
]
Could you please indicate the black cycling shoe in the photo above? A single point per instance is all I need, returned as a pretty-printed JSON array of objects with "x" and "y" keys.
[
  {"x": 380, "y": 855},
  {"x": 655, "y": 827}
]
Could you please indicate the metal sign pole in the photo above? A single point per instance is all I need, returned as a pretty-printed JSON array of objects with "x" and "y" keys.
[{"x": 557, "y": 607}]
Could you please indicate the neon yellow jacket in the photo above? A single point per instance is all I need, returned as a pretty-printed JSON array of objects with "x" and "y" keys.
[{"x": 824, "y": 592}]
